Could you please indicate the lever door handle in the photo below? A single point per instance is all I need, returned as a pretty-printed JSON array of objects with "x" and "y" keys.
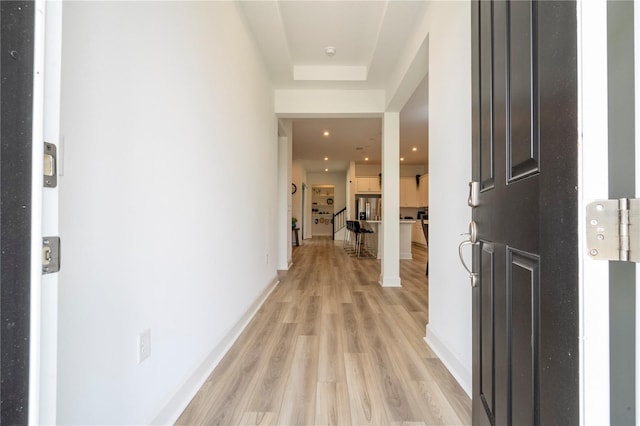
[{"x": 473, "y": 239}]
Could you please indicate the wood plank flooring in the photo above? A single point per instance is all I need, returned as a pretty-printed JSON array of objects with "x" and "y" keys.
[{"x": 330, "y": 346}]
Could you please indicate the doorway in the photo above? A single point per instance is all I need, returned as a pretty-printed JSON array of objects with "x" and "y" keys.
[{"x": 322, "y": 210}]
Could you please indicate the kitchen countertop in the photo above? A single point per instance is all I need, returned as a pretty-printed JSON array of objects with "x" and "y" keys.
[{"x": 401, "y": 221}]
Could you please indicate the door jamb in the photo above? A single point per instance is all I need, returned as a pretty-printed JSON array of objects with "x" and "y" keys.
[
  {"x": 593, "y": 184},
  {"x": 636, "y": 47}
]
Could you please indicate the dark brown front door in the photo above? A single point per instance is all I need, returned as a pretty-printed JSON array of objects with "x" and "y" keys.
[
  {"x": 525, "y": 318},
  {"x": 17, "y": 20}
]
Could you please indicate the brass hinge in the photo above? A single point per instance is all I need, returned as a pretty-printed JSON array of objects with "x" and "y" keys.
[
  {"x": 613, "y": 230},
  {"x": 50, "y": 255}
]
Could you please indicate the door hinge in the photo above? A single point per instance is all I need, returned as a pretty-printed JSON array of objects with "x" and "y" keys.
[
  {"x": 613, "y": 229},
  {"x": 50, "y": 255},
  {"x": 50, "y": 166}
]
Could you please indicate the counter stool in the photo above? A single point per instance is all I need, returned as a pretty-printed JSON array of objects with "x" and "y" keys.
[
  {"x": 361, "y": 234},
  {"x": 348, "y": 235}
]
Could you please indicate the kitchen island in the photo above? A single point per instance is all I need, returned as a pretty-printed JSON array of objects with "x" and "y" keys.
[{"x": 373, "y": 244}]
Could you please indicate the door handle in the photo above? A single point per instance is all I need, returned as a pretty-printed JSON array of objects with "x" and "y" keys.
[
  {"x": 473, "y": 239},
  {"x": 474, "y": 194}
]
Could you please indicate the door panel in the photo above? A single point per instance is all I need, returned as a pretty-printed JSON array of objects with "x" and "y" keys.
[
  {"x": 522, "y": 286},
  {"x": 486, "y": 110},
  {"x": 525, "y": 156},
  {"x": 522, "y": 144},
  {"x": 487, "y": 344}
]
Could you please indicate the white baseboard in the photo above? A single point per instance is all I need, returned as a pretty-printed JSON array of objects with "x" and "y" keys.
[
  {"x": 390, "y": 281},
  {"x": 177, "y": 404},
  {"x": 461, "y": 373},
  {"x": 406, "y": 255}
]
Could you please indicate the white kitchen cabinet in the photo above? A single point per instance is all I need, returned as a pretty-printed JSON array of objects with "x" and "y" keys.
[
  {"x": 423, "y": 191},
  {"x": 366, "y": 185},
  {"x": 408, "y": 192}
]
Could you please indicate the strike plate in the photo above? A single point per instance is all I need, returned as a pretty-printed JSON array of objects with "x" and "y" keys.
[
  {"x": 50, "y": 166},
  {"x": 50, "y": 255}
]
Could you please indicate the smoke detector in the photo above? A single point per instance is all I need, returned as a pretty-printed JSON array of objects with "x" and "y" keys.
[{"x": 330, "y": 51}]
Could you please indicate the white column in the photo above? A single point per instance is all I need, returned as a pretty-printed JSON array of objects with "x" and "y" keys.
[
  {"x": 390, "y": 264},
  {"x": 284, "y": 203}
]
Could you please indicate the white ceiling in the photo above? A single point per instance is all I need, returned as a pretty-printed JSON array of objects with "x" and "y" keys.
[{"x": 368, "y": 37}]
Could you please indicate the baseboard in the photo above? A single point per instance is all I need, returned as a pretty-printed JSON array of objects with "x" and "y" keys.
[
  {"x": 461, "y": 373},
  {"x": 390, "y": 281},
  {"x": 406, "y": 255},
  {"x": 177, "y": 404}
]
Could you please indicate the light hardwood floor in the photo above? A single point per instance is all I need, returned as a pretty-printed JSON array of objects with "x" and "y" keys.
[{"x": 330, "y": 346}]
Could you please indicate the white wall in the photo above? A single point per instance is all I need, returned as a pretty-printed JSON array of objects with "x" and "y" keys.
[
  {"x": 449, "y": 330},
  {"x": 168, "y": 193}
]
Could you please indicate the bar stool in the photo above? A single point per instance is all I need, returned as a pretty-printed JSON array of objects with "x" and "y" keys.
[
  {"x": 366, "y": 231},
  {"x": 361, "y": 233},
  {"x": 348, "y": 240}
]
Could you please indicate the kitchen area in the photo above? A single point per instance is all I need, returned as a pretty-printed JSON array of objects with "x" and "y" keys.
[{"x": 414, "y": 206}]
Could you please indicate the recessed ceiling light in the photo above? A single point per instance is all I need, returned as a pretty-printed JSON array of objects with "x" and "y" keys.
[
  {"x": 326, "y": 133},
  {"x": 366, "y": 158},
  {"x": 326, "y": 170},
  {"x": 401, "y": 158},
  {"x": 329, "y": 51},
  {"x": 326, "y": 158},
  {"x": 414, "y": 149}
]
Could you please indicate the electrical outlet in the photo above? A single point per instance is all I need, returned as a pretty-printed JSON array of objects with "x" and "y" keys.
[{"x": 144, "y": 345}]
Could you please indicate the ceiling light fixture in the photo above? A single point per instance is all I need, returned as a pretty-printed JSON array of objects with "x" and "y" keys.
[
  {"x": 326, "y": 170},
  {"x": 326, "y": 133},
  {"x": 401, "y": 158},
  {"x": 366, "y": 158},
  {"x": 414, "y": 149},
  {"x": 330, "y": 51},
  {"x": 326, "y": 158}
]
